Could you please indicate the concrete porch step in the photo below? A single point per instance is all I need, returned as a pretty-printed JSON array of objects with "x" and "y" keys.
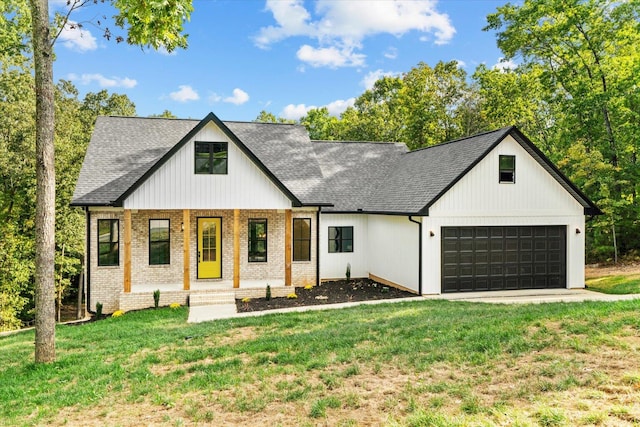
[{"x": 211, "y": 298}]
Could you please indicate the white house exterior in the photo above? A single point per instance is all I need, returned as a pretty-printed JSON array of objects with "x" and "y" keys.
[{"x": 191, "y": 207}]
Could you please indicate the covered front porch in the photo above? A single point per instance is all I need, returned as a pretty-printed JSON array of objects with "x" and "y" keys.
[{"x": 181, "y": 278}]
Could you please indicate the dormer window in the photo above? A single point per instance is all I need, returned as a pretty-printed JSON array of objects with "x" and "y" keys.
[
  {"x": 507, "y": 169},
  {"x": 211, "y": 158}
]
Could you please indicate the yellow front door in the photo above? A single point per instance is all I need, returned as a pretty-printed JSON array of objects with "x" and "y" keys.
[{"x": 209, "y": 248}]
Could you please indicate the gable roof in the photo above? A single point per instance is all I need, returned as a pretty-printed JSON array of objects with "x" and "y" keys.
[
  {"x": 368, "y": 177},
  {"x": 125, "y": 151}
]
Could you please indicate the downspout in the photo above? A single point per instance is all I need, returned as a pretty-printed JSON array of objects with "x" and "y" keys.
[
  {"x": 419, "y": 253},
  {"x": 87, "y": 276},
  {"x": 318, "y": 245}
]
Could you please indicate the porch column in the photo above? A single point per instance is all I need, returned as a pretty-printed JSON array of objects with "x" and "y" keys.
[
  {"x": 287, "y": 247},
  {"x": 186, "y": 242},
  {"x": 236, "y": 248},
  {"x": 127, "y": 250}
]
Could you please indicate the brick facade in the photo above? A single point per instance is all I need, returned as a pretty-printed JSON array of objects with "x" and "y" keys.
[{"x": 107, "y": 283}]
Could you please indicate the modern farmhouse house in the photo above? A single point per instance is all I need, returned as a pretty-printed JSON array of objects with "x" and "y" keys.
[{"x": 191, "y": 207}]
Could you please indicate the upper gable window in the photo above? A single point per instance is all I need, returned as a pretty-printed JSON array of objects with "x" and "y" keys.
[
  {"x": 211, "y": 158},
  {"x": 507, "y": 169}
]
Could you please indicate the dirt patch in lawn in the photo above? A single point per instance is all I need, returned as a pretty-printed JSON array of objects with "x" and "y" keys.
[
  {"x": 332, "y": 292},
  {"x": 620, "y": 269}
]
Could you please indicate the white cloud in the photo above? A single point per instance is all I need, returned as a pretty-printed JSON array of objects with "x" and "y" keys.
[
  {"x": 461, "y": 64},
  {"x": 373, "y": 76},
  {"x": 335, "y": 108},
  {"x": 75, "y": 38},
  {"x": 505, "y": 65},
  {"x": 294, "y": 112},
  {"x": 184, "y": 94},
  {"x": 214, "y": 97},
  {"x": 331, "y": 57},
  {"x": 102, "y": 81},
  {"x": 391, "y": 53},
  {"x": 339, "y": 106},
  {"x": 239, "y": 97},
  {"x": 341, "y": 26}
]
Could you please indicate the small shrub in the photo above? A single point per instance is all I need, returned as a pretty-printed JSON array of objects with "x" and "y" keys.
[
  {"x": 118, "y": 313},
  {"x": 156, "y": 298},
  {"x": 348, "y": 272},
  {"x": 268, "y": 295},
  {"x": 246, "y": 300},
  {"x": 292, "y": 296},
  {"x": 175, "y": 305},
  {"x": 98, "y": 310},
  {"x": 308, "y": 287}
]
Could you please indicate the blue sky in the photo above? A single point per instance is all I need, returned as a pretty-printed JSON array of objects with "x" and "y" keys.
[{"x": 283, "y": 56}]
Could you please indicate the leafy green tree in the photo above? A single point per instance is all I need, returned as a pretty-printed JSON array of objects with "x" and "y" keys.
[
  {"x": 429, "y": 99},
  {"x": 267, "y": 117},
  {"x": 518, "y": 97},
  {"x": 166, "y": 114},
  {"x": 157, "y": 24},
  {"x": 321, "y": 125},
  {"x": 587, "y": 51},
  {"x": 376, "y": 114}
]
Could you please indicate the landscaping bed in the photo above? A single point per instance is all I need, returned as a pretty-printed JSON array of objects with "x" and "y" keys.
[{"x": 331, "y": 292}]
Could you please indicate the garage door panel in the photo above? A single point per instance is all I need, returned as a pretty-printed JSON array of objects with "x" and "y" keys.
[
  {"x": 466, "y": 245},
  {"x": 481, "y": 284},
  {"x": 496, "y": 283},
  {"x": 466, "y": 257},
  {"x": 509, "y": 257},
  {"x": 511, "y": 283},
  {"x": 466, "y": 233},
  {"x": 496, "y": 257},
  {"x": 482, "y": 232},
  {"x": 481, "y": 258}
]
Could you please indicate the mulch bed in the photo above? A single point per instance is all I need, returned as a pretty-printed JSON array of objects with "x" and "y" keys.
[{"x": 327, "y": 293}]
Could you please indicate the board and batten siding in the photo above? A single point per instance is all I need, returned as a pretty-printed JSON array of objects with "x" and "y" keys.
[
  {"x": 175, "y": 185},
  {"x": 478, "y": 199},
  {"x": 393, "y": 250},
  {"x": 334, "y": 265}
]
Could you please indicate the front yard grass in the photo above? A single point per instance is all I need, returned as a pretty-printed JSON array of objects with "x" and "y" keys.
[
  {"x": 615, "y": 284},
  {"x": 424, "y": 363}
]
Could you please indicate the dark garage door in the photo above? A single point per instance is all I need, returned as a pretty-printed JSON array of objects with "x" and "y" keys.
[{"x": 496, "y": 258}]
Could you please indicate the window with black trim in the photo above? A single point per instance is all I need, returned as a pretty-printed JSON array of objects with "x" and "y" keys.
[
  {"x": 108, "y": 238},
  {"x": 211, "y": 158},
  {"x": 340, "y": 239},
  {"x": 507, "y": 168},
  {"x": 302, "y": 239},
  {"x": 257, "y": 240},
  {"x": 159, "y": 242}
]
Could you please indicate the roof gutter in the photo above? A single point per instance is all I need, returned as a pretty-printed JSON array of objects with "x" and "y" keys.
[{"x": 419, "y": 253}]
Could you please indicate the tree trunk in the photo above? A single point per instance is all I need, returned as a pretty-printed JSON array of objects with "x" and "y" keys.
[{"x": 45, "y": 347}]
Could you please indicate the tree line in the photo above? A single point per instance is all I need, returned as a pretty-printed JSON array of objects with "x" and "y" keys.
[{"x": 575, "y": 93}]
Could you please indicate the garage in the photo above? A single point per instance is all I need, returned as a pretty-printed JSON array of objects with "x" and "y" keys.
[{"x": 501, "y": 258}]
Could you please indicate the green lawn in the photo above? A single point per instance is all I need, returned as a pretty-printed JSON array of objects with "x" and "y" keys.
[
  {"x": 430, "y": 363},
  {"x": 629, "y": 284}
]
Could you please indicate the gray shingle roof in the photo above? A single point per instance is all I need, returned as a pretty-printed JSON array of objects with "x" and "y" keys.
[
  {"x": 342, "y": 176},
  {"x": 121, "y": 151},
  {"x": 420, "y": 177}
]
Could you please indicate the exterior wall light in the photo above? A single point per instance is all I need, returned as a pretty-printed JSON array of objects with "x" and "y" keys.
[
  {"x": 431, "y": 233},
  {"x": 578, "y": 231}
]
